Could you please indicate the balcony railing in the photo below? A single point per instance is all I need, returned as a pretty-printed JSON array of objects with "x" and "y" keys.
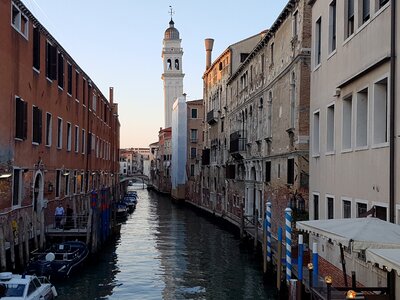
[
  {"x": 212, "y": 117},
  {"x": 237, "y": 142}
]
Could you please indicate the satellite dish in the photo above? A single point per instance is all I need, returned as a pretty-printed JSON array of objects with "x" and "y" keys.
[{"x": 50, "y": 256}]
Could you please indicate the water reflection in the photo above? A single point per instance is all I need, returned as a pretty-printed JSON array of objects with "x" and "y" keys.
[{"x": 169, "y": 252}]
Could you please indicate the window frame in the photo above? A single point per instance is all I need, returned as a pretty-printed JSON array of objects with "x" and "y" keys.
[
  {"x": 343, "y": 199},
  {"x": 59, "y": 133},
  {"x": 18, "y": 27},
  {"x": 329, "y": 196},
  {"x": 20, "y": 187},
  {"x": 49, "y": 130}
]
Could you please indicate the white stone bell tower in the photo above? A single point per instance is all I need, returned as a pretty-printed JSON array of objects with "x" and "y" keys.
[{"x": 173, "y": 76}]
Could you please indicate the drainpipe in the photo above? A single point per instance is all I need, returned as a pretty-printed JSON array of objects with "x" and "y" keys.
[{"x": 392, "y": 111}]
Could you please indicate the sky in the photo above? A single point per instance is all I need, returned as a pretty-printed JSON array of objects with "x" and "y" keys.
[{"x": 118, "y": 44}]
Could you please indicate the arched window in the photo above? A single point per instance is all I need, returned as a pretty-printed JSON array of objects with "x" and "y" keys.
[
  {"x": 177, "y": 64},
  {"x": 261, "y": 103},
  {"x": 169, "y": 66}
]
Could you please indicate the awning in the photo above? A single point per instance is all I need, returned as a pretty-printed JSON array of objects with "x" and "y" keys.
[
  {"x": 389, "y": 258},
  {"x": 357, "y": 234}
]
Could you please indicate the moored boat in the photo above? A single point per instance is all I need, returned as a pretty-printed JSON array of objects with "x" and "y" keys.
[
  {"x": 59, "y": 261},
  {"x": 25, "y": 287}
]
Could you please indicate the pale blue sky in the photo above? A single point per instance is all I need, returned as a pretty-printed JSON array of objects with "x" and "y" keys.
[{"x": 118, "y": 43}]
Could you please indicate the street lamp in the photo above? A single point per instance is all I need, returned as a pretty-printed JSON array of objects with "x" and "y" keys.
[
  {"x": 351, "y": 294},
  {"x": 310, "y": 268},
  {"x": 328, "y": 281}
]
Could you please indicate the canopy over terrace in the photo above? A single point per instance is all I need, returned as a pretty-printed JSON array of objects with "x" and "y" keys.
[
  {"x": 357, "y": 234},
  {"x": 385, "y": 258}
]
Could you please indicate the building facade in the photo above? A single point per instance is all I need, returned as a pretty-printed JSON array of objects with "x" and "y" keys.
[
  {"x": 59, "y": 136},
  {"x": 195, "y": 124},
  {"x": 350, "y": 161},
  {"x": 164, "y": 157},
  {"x": 215, "y": 150}
]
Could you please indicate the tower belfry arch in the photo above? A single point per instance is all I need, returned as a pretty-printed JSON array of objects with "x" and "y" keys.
[{"x": 172, "y": 76}]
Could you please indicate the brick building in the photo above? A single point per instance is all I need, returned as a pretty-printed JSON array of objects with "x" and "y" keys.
[{"x": 59, "y": 134}]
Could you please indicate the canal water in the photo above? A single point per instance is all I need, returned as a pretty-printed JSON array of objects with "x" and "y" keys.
[{"x": 168, "y": 251}]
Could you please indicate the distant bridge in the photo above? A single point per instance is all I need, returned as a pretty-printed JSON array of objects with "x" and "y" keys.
[{"x": 135, "y": 178}]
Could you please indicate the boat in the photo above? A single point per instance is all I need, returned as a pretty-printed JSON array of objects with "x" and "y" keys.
[
  {"x": 122, "y": 211},
  {"x": 25, "y": 287},
  {"x": 59, "y": 261},
  {"x": 130, "y": 201}
]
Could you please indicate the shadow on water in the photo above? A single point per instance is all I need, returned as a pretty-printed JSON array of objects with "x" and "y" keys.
[{"x": 169, "y": 251}]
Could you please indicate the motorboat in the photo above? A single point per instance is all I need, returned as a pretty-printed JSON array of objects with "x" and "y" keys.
[
  {"x": 121, "y": 211},
  {"x": 25, "y": 287},
  {"x": 59, "y": 261},
  {"x": 130, "y": 201}
]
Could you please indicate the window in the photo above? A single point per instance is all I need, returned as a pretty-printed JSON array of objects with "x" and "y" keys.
[
  {"x": 380, "y": 112},
  {"x": 330, "y": 128},
  {"x": 59, "y": 133},
  {"x": 292, "y": 100},
  {"x": 362, "y": 118},
  {"x": 82, "y": 182},
  {"x": 193, "y": 135},
  {"x": 51, "y": 61},
  {"x": 382, "y": 3},
  {"x": 17, "y": 187},
  {"x": 49, "y": 123},
  {"x": 269, "y": 115},
  {"x": 346, "y": 209},
  {"x": 316, "y": 133},
  {"x": 350, "y": 18},
  {"x": 290, "y": 171},
  {"x": 294, "y": 24},
  {"x": 21, "y": 117},
  {"x": 191, "y": 170},
  {"x": 361, "y": 210},
  {"x": 279, "y": 171},
  {"x": 268, "y": 171},
  {"x": 76, "y": 139},
  {"x": 346, "y": 122},
  {"x": 332, "y": 26},
  {"x": 36, "y": 125},
  {"x": 60, "y": 75},
  {"x": 83, "y": 144},
  {"x": 316, "y": 206},
  {"x": 19, "y": 21},
  {"x": 169, "y": 67},
  {"x": 194, "y": 113},
  {"x": 94, "y": 102},
  {"x": 365, "y": 9},
  {"x": 66, "y": 178},
  {"x": 69, "y": 83},
  {"x": 176, "y": 64},
  {"x": 74, "y": 183},
  {"x": 76, "y": 85},
  {"x": 84, "y": 92},
  {"x": 272, "y": 53},
  {"x": 193, "y": 152},
  {"x": 381, "y": 212},
  {"x": 36, "y": 48},
  {"x": 329, "y": 203},
  {"x": 69, "y": 139},
  {"x": 318, "y": 42},
  {"x": 58, "y": 183}
]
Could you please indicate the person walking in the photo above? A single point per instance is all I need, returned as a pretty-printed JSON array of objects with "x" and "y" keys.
[{"x": 59, "y": 213}]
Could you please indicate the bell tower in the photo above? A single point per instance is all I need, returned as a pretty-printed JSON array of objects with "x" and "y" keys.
[{"x": 172, "y": 76}]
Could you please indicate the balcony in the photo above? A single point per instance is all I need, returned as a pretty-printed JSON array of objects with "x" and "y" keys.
[
  {"x": 237, "y": 144},
  {"x": 212, "y": 117}
]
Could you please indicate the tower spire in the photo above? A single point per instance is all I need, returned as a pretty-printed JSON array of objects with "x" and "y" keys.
[{"x": 171, "y": 12}]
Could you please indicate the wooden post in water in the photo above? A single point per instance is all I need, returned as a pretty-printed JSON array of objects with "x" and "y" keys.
[
  {"x": 264, "y": 242},
  {"x": 255, "y": 220},
  {"x": 279, "y": 261},
  {"x": 3, "y": 262},
  {"x": 12, "y": 244},
  {"x": 89, "y": 227},
  {"x": 241, "y": 221},
  {"x": 21, "y": 241}
]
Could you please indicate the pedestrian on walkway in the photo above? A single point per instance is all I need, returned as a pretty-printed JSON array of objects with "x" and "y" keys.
[{"x": 59, "y": 214}]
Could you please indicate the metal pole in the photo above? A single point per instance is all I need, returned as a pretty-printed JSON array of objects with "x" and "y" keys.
[
  {"x": 315, "y": 263},
  {"x": 300, "y": 258},
  {"x": 288, "y": 227}
]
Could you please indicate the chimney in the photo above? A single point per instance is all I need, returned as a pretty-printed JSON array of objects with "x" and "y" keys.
[
  {"x": 111, "y": 95},
  {"x": 209, "y": 43}
]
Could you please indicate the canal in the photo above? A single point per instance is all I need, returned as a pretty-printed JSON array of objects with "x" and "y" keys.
[{"x": 167, "y": 251}]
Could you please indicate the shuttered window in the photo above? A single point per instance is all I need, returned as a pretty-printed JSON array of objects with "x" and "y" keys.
[
  {"x": 60, "y": 75},
  {"x": 36, "y": 48},
  {"x": 37, "y": 125},
  {"x": 21, "y": 112},
  {"x": 51, "y": 61}
]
